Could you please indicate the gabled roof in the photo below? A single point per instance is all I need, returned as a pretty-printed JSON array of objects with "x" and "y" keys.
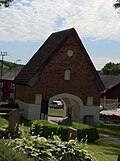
[
  {"x": 30, "y": 74},
  {"x": 110, "y": 81},
  {"x": 10, "y": 73}
]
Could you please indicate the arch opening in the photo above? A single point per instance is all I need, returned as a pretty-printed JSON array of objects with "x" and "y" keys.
[{"x": 72, "y": 105}]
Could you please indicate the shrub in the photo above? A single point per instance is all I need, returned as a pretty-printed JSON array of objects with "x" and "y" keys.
[
  {"x": 8, "y": 154},
  {"x": 4, "y": 131},
  {"x": 86, "y": 130},
  {"x": 10, "y": 105},
  {"x": 46, "y": 129},
  {"x": 53, "y": 149}
]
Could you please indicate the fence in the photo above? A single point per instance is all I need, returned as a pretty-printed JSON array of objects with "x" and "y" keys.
[{"x": 107, "y": 104}]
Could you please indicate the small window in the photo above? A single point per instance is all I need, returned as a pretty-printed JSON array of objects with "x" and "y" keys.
[
  {"x": 12, "y": 86},
  {"x": 89, "y": 101},
  {"x": 67, "y": 74},
  {"x": 11, "y": 96}
]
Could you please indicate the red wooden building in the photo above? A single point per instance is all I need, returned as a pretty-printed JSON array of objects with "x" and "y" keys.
[
  {"x": 7, "y": 86},
  {"x": 112, "y": 87}
]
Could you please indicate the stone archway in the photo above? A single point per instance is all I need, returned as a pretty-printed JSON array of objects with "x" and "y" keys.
[{"x": 72, "y": 105}]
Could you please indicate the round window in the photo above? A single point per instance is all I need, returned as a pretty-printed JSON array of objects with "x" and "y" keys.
[{"x": 69, "y": 53}]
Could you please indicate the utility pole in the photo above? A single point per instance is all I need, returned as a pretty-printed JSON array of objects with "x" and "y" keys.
[{"x": 2, "y": 54}]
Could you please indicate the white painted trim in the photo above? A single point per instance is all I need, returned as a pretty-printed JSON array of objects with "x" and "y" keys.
[{"x": 66, "y": 95}]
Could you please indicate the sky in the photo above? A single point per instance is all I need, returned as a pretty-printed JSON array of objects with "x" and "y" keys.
[{"x": 26, "y": 24}]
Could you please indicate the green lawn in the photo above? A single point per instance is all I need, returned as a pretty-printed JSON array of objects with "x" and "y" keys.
[
  {"x": 112, "y": 129},
  {"x": 104, "y": 150},
  {"x": 55, "y": 112}
]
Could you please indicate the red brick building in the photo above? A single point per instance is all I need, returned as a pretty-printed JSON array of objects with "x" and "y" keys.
[{"x": 60, "y": 69}]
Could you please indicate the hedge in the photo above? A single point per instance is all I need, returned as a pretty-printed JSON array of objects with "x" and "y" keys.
[{"x": 47, "y": 129}]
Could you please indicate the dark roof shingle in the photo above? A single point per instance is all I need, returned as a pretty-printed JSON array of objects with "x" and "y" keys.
[
  {"x": 42, "y": 56},
  {"x": 110, "y": 81}
]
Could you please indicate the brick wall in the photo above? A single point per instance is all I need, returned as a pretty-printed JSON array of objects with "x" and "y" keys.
[{"x": 82, "y": 82}]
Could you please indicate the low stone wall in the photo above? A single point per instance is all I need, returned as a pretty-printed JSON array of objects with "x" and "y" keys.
[{"x": 29, "y": 111}]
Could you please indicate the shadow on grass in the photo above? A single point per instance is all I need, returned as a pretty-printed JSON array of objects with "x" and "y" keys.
[
  {"x": 109, "y": 128},
  {"x": 108, "y": 147}
]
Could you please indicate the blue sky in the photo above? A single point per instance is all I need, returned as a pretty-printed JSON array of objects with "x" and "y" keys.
[{"x": 27, "y": 24}]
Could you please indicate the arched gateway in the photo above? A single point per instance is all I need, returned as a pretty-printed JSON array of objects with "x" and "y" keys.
[
  {"x": 62, "y": 69},
  {"x": 72, "y": 105}
]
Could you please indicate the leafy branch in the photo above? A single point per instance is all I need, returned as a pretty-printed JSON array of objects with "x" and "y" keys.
[
  {"x": 117, "y": 4},
  {"x": 5, "y": 3}
]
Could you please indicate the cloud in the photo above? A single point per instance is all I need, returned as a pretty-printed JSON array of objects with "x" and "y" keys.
[{"x": 33, "y": 20}]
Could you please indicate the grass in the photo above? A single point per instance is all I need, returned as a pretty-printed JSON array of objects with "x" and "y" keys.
[
  {"x": 111, "y": 128},
  {"x": 3, "y": 120},
  {"x": 55, "y": 112},
  {"x": 104, "y": 150}
]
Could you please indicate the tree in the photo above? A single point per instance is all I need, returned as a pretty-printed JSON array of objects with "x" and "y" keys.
[
  {"x": 6, "y": 3},
  {"x": 111, "y": 69},
  {"x": 117, "y": 4}
]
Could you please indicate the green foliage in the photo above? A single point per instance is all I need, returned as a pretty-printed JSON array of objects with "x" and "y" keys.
[
  {"x": 3, "y": 120},
  {"x": 10, "y": 64},
  {"x": 42, "y": 149},
  {"x": 85, "y": 130},
  {"x": 111, "y": 69},
  {"x": 7, "y": 154},
  {"x": 117, "y": 4},
  {"x": 46, "y": 129},
  {"x": 6, "y": 3},
  {"x": 3, "y": 131}
]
